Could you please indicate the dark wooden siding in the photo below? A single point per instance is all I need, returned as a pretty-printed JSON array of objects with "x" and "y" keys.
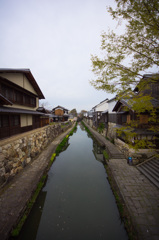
[{"x": 10, "y": 125}]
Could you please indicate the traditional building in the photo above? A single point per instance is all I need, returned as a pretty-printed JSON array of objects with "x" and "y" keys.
[
  {"x": 19, "y": 99},
  {"x": 126, "y": 113},
  {"x": 61, "y": 114},
  {"x": 97, "y": 112}
]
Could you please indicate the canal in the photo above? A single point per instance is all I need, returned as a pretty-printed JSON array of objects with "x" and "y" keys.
[{"x": 76, "y": 202}]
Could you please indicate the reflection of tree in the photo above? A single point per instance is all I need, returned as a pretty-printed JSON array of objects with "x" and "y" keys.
[
  {"x": 83, "y": 129},
  {"x": 98, "y": 151},
  {"x": 65, "y": 146}
]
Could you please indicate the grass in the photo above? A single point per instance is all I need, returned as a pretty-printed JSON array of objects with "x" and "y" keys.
[
  {"x": 86, "y": 128},
  {"x": 64, "y": 141},
  {"x": 17, "y": 229},
  {"x": 124, "y": 213},
  {"x": 15, "y": 232},
  {"x": 61, "y": 145},
  {"x": 106, "y": 156},
  {"x": 101, "y": 127}
]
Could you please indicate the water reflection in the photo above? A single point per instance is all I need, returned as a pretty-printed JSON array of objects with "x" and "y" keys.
[
  {"x": 77, "y": 201},
  {"x": 98, "y": 151}
]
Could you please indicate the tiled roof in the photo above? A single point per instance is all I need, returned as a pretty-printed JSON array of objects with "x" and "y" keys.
[
  {"x": 60, "y": 107},
  {"x": 18, "y": 110}
]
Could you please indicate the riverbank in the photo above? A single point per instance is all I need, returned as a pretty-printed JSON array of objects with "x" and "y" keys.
[
  {"x": 16, "y": 195},
  {"x": 139, "y": 195}
]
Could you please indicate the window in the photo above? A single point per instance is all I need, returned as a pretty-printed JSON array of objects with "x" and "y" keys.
[
  {"x": 17, "y": 96},
  {"x": 124, "y": 118},
  {"x": 8, "y": 92},
  {"x": 33, "y": 102},
  {"x": 26, "y": 100},
  {"x": 4, "y": 121},
  {"x": 15, "y": 120}
]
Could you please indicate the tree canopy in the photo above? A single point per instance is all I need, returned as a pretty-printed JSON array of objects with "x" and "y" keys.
[
  {"x": 128, "y": 56},
  {"x": 74, "y": 112}
]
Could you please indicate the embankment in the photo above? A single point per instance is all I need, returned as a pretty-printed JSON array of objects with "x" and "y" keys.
[{"x": 16, "y": 195}]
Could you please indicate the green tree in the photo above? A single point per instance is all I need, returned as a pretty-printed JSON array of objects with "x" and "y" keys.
[
  {"x": 128, "y": 56},
  {"x": 74, "y": 112}
]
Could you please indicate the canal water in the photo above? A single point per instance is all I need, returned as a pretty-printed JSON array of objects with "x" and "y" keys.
[{"x": 76, "y": 202}]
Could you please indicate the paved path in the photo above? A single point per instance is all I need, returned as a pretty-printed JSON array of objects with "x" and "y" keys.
[
  {"x": 16, "y": 195},
  {"x": 140, "y": 196}
]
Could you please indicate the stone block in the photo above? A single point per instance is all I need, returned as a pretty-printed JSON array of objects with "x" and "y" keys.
[
  {"x": 8, "y": 168},
  {"x": 2, "y": 179},
  {"x": 16, "y": 146},
  {"x": 28, "y": 160}
]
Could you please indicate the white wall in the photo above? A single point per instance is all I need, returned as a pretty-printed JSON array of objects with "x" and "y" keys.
[
  {"x": 111, "y": 105},
  {"x": 102, "y": 106}
]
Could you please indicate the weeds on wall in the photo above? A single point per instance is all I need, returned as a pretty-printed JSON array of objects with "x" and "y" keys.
[
  {"x": 15, "y": 232},
  {"x": 87, "y": 129},
  {"x": 101, "y": 127},
  {"x": 17, "y": 229}
]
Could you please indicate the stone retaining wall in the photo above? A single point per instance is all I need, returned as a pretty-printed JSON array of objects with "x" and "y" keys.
[
  {"x": 138, "y": 156},
  {"x": 16, "y": 152}
]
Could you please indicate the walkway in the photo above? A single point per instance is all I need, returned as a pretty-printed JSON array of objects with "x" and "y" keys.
[
  {"x": 16, "y": 195},
  {"x": 140, "y": 196}
]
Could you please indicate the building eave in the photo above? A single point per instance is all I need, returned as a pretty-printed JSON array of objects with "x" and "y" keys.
[
  {"x": 19, "y": 111},
  {"x": 29, "y": 76}
]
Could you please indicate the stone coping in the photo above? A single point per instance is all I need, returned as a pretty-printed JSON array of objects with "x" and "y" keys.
[{"x": 21, "y": 135}]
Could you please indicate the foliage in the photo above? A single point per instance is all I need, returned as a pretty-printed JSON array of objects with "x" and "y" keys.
[
  {"x": 128, "y": 56},
  {"x": 62, "y": 145},
  {"x": 73, "y": 112},
  {"x": 105, "y": 155},
  {"x": 17, "y": 229},
  {"x": 101, "y": 127},
  {"x": 87, "y": 129}
]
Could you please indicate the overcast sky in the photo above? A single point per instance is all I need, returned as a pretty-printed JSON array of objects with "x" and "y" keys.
[{"x": 55, "y": 40}]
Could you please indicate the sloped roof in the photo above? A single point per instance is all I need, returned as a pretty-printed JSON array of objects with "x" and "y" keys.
[
  {"x": 29, "y": 76},
  {"x": 121, "y": 102},
  {"x": 124, "y": 102},
  {"x": 19, "y": 110},
  {"x": 60, "y": 107},
  {"x": 150, "y": 77}
]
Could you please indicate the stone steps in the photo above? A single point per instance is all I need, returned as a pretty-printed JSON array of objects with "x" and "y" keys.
[{"x": 150, "y": 169}]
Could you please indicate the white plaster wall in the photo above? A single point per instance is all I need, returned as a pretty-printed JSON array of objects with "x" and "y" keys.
[
  {"x": 102, "y": 106},
  {"x": 111, "y": 106}
]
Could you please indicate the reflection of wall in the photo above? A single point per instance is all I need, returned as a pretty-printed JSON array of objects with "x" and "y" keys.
[
  {"x": 34, "y": 218},
  {"x": 98, "y": 151}
]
